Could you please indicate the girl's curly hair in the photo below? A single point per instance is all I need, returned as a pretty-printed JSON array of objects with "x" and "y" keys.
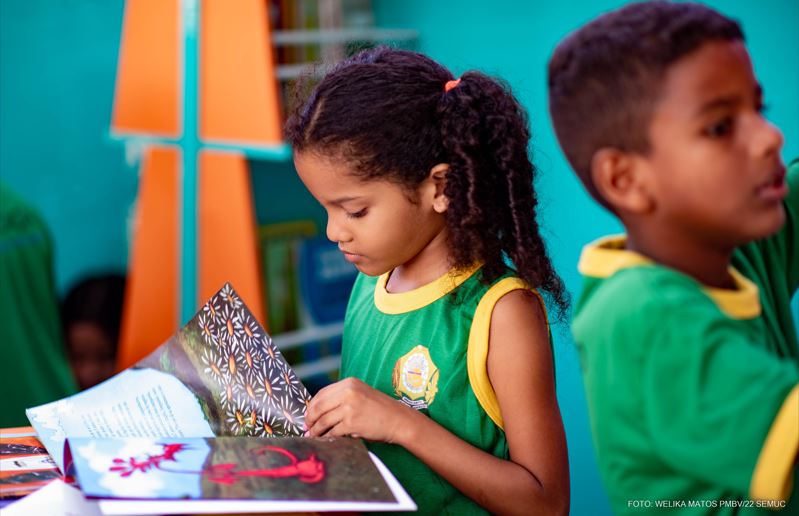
[{"x": 386, "y": 112}]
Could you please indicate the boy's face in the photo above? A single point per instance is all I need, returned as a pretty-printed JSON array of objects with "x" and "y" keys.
[
  {"x": 374, "y": 223},
  {"x": 714, "y": 163}
]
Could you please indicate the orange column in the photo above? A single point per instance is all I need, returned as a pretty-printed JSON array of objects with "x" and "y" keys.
[
  {"x": 150, "y": 314},
  {"x": 228, "y": 243},
  {"x": 238, "y": 87},
  {"x": 147, "y": 89}
]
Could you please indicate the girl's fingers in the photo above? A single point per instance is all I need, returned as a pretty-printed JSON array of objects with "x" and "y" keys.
[
  {"x": 325, "y": 423},
  {"x": 320, "y": 404},
  {"x": 337, "y": 431},
  {"x": 330, "y": 406}
]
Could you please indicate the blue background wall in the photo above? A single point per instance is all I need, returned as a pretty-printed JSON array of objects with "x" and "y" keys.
[{"x": 57, "y": 69}]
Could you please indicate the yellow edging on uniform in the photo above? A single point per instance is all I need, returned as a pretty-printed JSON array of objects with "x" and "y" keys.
[
  {"x": 773, "y": 475},
  {"x": 477, "y": 352},
  {"x": 741, "y": 303},
  {"x": 607, "y": 256},
  {"x": 420, "y": 297}
]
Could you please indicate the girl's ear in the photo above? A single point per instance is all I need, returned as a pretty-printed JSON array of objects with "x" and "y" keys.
[{"x": 438, "y": 179}]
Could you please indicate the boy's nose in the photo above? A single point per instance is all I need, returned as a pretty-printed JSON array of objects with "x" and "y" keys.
[{"x": 768, "y": 140}]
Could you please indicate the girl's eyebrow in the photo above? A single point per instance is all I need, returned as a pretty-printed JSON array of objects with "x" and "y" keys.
[{"x": 342, "y": 200}]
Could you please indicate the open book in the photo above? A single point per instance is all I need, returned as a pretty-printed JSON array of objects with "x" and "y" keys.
[{"x": 219, "y": 375}]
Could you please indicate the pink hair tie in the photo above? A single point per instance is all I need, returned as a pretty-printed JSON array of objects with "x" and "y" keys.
[{"x": 451, "y": 84}]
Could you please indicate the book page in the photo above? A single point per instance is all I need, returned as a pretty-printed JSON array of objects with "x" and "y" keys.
[
  {"x": 54, "y": 499},
  {"x": 134, "y": 403}
]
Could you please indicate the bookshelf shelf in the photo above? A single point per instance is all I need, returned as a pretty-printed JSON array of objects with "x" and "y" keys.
[
  {"x": 281, "y": 38},
  {"x": 294, "y": 339},
  {"x": 321, "y": 366},
  {"x": 135, "y": 145}
]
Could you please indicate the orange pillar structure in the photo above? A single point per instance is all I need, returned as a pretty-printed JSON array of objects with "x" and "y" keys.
[{"x": 237, "y": 110}]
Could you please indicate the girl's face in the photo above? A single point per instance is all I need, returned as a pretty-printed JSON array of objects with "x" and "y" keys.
[{"x": 375, "y": 224}]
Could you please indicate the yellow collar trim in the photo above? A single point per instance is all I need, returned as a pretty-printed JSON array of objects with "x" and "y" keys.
[
  {"x": 419, "y": 297},
  {"x": 606, "y": 256}
]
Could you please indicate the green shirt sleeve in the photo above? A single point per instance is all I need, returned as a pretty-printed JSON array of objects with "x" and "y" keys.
[{"x": 711, "y": 395}]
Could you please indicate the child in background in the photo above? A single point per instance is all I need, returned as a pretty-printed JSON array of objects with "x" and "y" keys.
[
  {"x": 91, "y": 314},
  {"x": 447, "y": 356},
  {"x": 33, "y": 367},
  {"x": 687, "y": 343}
]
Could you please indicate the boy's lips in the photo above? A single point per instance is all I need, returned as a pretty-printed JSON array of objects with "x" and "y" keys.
[{"x": 776, "y": 188}]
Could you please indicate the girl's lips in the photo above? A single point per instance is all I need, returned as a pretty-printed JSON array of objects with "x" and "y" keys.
[{"x": 350, "y": 257}]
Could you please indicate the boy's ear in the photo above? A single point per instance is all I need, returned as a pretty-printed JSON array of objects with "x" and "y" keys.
[
  {"x": 438, "y": 179},
  {"x": 622, "y": 180}
]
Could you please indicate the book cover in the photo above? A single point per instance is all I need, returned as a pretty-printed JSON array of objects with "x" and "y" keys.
[{"x": 238, "y": 474}]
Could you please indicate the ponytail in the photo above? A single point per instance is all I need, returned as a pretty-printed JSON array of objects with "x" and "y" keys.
[{"x": 491, "y": 216}]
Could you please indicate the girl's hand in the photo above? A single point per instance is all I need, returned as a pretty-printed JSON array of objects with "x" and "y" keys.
[{"x": 350, "y": 407}]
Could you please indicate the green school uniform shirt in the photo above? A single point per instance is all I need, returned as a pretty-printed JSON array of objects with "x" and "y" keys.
[
  {"x": 428, "y": 348},
  {"x": 33, "y": 363},
  {"x": 692, "y": 391}
]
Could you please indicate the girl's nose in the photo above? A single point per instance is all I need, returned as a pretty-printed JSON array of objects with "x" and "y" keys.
[{"x": 336, "y": 232}]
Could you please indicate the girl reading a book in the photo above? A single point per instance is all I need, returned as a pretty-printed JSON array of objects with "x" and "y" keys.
[{"x": 447, "y": 359}]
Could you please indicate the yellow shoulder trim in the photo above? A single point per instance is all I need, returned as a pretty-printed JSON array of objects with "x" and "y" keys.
[
  {"x": 417, "y": 298},
  {"x": 605, "y": 257},
  {"x": 477, "y": 352},
  {"x": 773, "y": 475}
]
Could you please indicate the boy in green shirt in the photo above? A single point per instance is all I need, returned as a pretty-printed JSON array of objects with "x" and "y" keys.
[{"x": 687, "y": 343}]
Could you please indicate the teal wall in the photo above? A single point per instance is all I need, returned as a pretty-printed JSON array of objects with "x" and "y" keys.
[
  {"x": 514, "y": 39},
  {"x": 57, "y": 69}
]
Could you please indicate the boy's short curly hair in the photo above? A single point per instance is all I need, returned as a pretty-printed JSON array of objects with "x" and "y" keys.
[{"x": 605, "y": 78}]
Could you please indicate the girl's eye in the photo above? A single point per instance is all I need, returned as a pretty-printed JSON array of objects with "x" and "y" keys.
[
  {"x": 357, "y": 214},
  {"x": 720, "y": 129}
]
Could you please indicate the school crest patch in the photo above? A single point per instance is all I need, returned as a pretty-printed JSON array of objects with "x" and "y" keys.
[{"x": 415, "y": 378}]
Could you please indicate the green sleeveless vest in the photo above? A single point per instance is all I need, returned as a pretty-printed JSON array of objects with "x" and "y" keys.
[{"x": 428, "y": 348}]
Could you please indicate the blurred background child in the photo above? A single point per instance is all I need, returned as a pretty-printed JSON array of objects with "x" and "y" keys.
[
  {"x": 33, "y": 368},
  {"x": 91, "y": 313}
]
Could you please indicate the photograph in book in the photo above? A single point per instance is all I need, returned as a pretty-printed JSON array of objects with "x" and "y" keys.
[
  {"x": 25, "y": 465},
  {"x": 227, "y": 468},
  {"x": 220, "y": 374}
]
